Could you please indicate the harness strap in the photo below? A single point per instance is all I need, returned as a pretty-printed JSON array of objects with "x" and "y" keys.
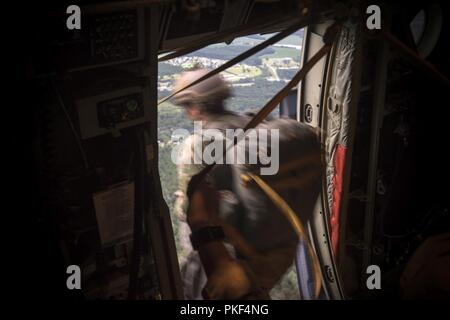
[{"x": 296, "y": 224}]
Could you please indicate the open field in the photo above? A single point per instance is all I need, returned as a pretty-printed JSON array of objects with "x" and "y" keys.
[
  {"x": 245, "y": 71},
  {"x": 283, "y": 53}
]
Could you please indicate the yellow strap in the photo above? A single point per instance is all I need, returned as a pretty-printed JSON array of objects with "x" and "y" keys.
[{"x": 296, "y": 224}]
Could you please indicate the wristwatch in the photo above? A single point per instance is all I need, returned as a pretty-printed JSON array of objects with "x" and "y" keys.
[{"x": 205, "y": 235}]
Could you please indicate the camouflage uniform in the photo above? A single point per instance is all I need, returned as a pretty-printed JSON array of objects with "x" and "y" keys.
[
  {"x": 225, "y": 120},
  {"x": 184, "y": 172}
]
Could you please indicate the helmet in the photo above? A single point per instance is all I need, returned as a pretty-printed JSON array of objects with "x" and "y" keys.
[{"x": 210, "y": 92}]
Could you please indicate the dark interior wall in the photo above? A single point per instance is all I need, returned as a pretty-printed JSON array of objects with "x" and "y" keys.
[
  {"x": 411, "y": 203},
  {"x": 53, "y": 177}
]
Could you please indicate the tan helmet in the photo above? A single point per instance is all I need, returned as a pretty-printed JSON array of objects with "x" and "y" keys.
[{"x": 210, "y": 92}]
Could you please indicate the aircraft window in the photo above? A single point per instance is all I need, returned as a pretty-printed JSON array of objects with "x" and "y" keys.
[
  {"x": 425, "y": 29},
  {"x": 417, "y": 26},
  {"x": 254, "y": 82}
]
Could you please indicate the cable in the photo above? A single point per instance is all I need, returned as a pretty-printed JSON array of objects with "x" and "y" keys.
[
  {"x": 72, "y": 127},
  {"x": 414, "y": 58},
  {"x": 139, "y": 166}
]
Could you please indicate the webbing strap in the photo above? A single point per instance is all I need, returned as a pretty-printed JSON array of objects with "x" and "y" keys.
[
  {"x": 268, "y": 108},
  {"x": 296, "y": 225}
]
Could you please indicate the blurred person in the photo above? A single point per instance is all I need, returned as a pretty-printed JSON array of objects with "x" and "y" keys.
[{"x": 258, "y": 240}]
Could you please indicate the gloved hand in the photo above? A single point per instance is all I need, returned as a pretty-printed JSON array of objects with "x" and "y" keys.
[{"x": 229, "y": 280}]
